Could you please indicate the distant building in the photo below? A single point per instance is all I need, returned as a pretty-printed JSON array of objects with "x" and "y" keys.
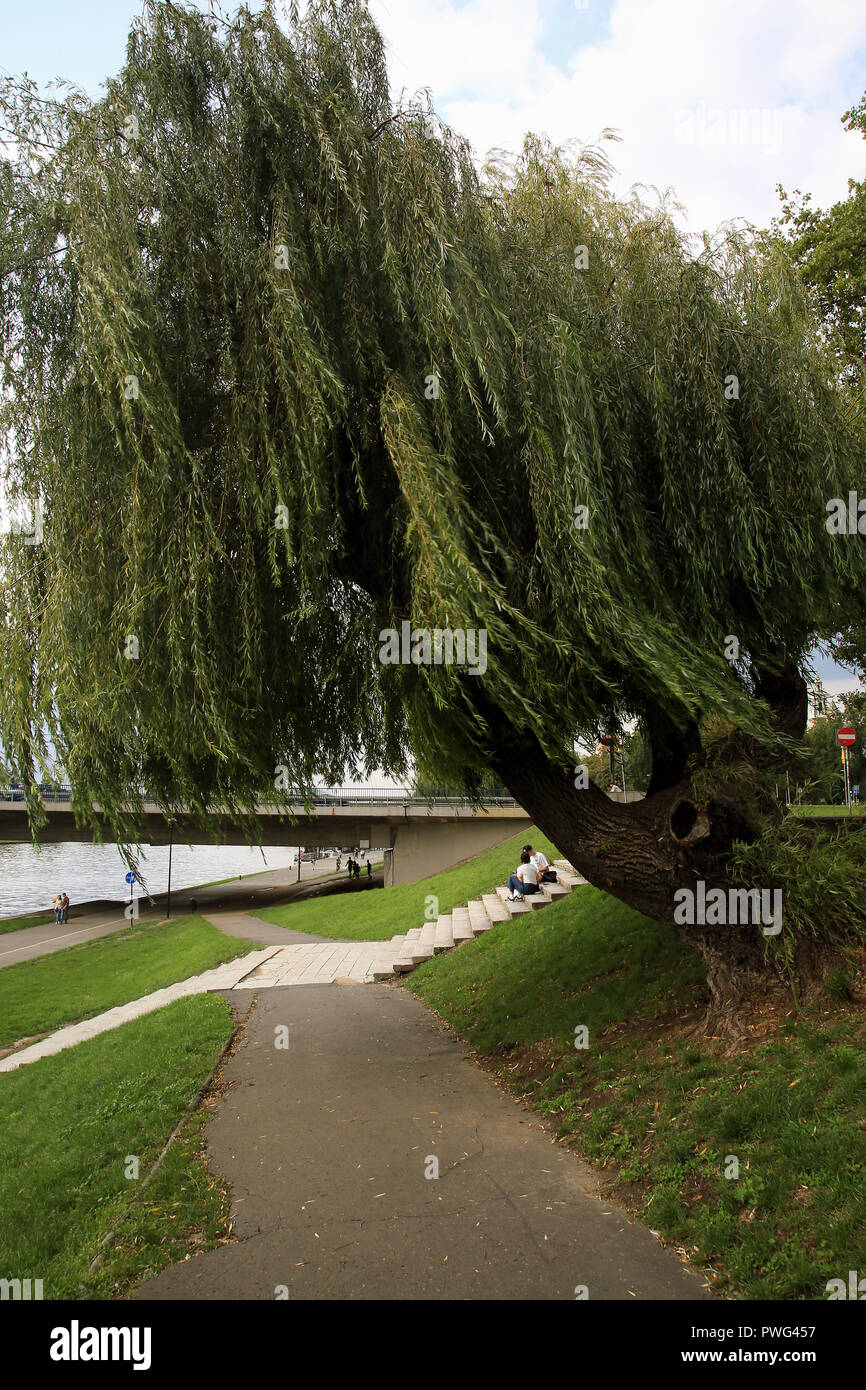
[{"x": 820, "y": 703}]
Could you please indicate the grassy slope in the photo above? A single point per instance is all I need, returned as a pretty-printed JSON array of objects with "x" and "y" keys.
[
  {"x": 39, "y": 995},
  {"x": 378, "y": 914},
  {"x": 659, "y": 1107},
  {"x": 70, "y": 1123}
]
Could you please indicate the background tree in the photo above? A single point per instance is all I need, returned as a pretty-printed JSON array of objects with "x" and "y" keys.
[
  {"x": 283, "y": 370},
  {"x": 821, "y": 765},
  {"x": 830, "y": 250}
]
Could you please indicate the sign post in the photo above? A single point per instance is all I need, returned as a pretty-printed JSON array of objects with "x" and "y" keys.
[
  {"x": 170, "y": 847},
  {"x": 846, "y": 738}
]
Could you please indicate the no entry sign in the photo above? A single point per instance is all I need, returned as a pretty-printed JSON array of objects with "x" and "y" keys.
[{"x": 846, "y": 736}]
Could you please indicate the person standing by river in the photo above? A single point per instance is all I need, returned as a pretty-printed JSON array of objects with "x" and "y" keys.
[{"x": 64, "y": 906}]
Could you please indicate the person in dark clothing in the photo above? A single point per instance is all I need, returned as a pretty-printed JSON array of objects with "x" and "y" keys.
[
  {"x": 369, "y": 869},
  {"x": 350, "y": 865}
]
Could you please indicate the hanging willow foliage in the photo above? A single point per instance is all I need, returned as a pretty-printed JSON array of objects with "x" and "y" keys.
[{"x": 283, "y": 368}]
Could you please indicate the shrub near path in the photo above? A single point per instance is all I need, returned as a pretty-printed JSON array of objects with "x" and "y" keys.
[{"x": 660, "y": 1108}]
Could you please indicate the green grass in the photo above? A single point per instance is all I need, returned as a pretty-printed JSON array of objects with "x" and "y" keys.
[
  {"x": 588, "y": 960},
  {"x": 827, "y": 810},
  {"x": 379, "y": 914},
  {"x": 657, "y": 1107},
  {"x": 32, "y": 919},
  {"x": 39, "y": 995},
  {"x": 70, "y": 1123}
]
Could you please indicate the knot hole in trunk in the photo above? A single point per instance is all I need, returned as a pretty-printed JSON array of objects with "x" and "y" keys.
[{"x": 687, "y": 823}]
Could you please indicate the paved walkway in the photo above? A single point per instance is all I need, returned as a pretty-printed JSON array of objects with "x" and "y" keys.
[
  {"x": 314, "y": 962},
  {"x": 331, "y": 1146},
  {"x": 246, "y": 928},
  {"x": 326, "y": 1145}
]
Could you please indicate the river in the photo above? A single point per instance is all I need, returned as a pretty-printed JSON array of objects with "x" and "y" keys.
[{"x": 29, "y": 880}]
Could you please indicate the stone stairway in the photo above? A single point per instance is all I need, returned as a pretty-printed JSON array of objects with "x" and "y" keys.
[
  {"x": 313, "y": 963},
  {"x": 402, "y": 953}
]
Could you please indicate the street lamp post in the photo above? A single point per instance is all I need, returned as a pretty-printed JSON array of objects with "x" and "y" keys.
[{"x": 170, "y": 844}]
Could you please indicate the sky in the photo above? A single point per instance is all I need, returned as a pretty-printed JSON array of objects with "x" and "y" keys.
[{"x": 718, "y": 102}]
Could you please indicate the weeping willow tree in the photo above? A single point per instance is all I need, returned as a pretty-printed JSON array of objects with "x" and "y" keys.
[{"x": 283, "y": 370}]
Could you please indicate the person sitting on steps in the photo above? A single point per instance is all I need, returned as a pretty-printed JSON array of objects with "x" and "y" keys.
[
  {"x": 542, "y": 864},
  {"x": 524, "y": 881}
]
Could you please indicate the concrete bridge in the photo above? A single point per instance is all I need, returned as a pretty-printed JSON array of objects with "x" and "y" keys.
[{"x": 420, "y": 835}]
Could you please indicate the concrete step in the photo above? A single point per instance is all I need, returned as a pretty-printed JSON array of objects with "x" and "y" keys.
[
  {"x": 555, "y": 890},
  {"x": 407, "y": 951},
  {"x": 399, "y": 955},
  {"x": 514, "y": 909},
  {"x": 536, "y": 900},
  {"x": 419, "y": 950},
  {"x": 443, "y": 939},
  {"x": 461, "y": 928},
  {"x": 414, "y": 949},
  {"x": 478, "y": 918},
  {"x": 383, "y": 968},
  {"x": 568, "y": 874},
  {"x": 495, "y": 908},
  {"x": 568, "y": 880}
]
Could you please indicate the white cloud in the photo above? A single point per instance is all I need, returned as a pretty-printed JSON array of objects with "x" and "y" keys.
[
  {"x": 842, "y": 687},
  {"x": 721, "y": 102}
]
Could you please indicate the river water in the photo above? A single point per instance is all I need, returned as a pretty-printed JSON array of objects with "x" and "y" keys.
[{"x": 29, "y": 880}]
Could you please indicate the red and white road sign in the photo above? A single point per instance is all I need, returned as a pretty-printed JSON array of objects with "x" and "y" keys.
[{"x": 846, "y": 736}]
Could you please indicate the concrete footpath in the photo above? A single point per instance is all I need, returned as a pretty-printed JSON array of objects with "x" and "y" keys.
[{"x": 327, "y": 1144}]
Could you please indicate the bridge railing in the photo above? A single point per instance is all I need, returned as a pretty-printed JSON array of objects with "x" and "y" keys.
[{"x": 59, "y": 792}]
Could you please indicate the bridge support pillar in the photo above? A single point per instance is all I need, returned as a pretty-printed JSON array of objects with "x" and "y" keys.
[{"x": 421, "y": 849}]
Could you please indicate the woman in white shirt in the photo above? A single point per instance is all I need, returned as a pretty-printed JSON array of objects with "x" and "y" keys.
[{"x": 525, "y": 880}]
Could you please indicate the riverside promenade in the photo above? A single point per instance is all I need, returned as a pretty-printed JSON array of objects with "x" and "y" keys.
[{"x": 90, "y": 920}]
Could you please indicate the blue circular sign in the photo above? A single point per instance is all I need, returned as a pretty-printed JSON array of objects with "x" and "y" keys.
[{"x": 130, "y": 878}]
